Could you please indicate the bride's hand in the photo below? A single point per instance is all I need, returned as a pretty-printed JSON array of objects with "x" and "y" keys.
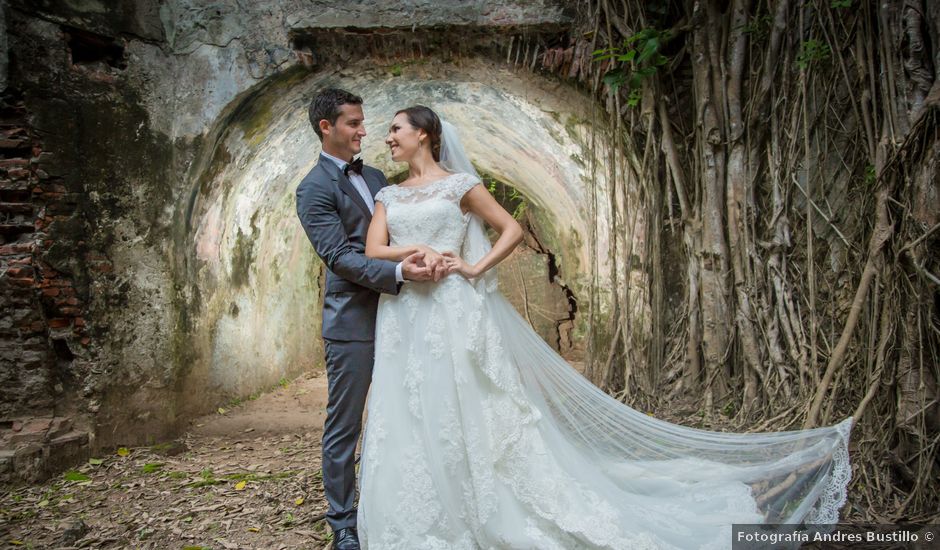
[
  {"x": 456, "y": 264},
  {"x": 434, "y": 261}
]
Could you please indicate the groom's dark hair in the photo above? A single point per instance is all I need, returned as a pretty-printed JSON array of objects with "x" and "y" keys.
[{"x": 327, "y": 104}]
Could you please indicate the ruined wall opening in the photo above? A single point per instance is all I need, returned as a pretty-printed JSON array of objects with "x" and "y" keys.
[
  {"x": 530, "y": 278},
  {"x": 88, "y": 48},
  {"x": 252, "y": 280}
]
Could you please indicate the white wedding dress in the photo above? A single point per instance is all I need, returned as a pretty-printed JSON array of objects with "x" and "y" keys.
[{"x": 480, "y": 436}]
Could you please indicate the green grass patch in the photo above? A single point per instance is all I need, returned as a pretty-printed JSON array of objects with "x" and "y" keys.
[
  {"x": 208, "y": 478},
  {"x": 160, "y": 447},
  {"x": 151, "y": 467},
  {"x": 251, "y": 476}
]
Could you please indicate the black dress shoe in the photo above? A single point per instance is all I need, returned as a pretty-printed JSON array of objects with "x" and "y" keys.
[{"x": 345, "y": 539}]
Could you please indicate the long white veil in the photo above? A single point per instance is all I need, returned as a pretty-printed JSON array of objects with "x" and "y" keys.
[
  {"x": 476, "y": 245},
  {"x": 793, "y": 477}
]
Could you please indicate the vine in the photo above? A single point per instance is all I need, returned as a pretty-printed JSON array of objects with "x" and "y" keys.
[{"x": 791, "y": 148}]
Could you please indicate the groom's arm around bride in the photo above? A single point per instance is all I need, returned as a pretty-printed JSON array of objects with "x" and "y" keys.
[{"x": 335, "y": 203}]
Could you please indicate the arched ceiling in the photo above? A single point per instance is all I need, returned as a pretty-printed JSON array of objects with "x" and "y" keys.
[{"x": 256, "y": 270}]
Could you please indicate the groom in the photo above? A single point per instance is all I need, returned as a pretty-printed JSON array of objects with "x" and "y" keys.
[{"x": 335, "y": 205}]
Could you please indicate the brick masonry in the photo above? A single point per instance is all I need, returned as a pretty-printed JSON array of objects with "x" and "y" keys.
[{"x": 43, "y": 316}]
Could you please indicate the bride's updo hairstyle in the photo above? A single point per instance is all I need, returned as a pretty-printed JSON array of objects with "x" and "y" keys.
[{"x": 424, "y": 118}]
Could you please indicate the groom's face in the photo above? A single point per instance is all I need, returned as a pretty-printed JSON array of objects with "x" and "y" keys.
[{"x": 343, "y": 139}]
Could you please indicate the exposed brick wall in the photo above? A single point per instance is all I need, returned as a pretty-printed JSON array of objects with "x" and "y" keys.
[
  {"x": 27, "y": 356},
  {"x": 42, "y": 315},
  {"x": 83, "y": 181}
]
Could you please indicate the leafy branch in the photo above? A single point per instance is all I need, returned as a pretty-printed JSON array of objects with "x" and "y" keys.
[
  {"x": 636, "y": 59},
  {"x": 812, "y": 51}
]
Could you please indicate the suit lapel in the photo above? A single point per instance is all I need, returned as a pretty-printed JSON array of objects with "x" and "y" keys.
[{"x": 346, "y": 186}]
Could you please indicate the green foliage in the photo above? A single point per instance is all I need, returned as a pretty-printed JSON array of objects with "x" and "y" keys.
[
  {"x": 869, "y": 175},
  {"x": 841, "y": 4},
  {"x": 519, "y": 211},
  {"x": 511, "y": 199},
  {"x": 397, "y": 69},
  {"x": 151, "y": 467},
  {"x": 758, "y": 27},
  {"x": 251, "y": 476},
  {"x": 208, "y": 478},
  {"x": 812, "y": 51},
  {"x": 72, "y": 475},
  {"x": 634, "y": 98},
  {"x": 634, "y": 61}
]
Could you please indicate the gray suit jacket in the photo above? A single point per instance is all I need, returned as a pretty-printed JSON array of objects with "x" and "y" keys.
[{"x": 336, "y": 220}]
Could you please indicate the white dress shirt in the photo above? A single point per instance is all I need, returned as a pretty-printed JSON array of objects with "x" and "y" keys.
[{"x": 360, "y": 184}]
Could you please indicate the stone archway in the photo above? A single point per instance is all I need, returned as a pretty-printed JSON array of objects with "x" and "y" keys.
[
  {"x": 152, "y": 265},
  {"x": 253, "y": 276}
]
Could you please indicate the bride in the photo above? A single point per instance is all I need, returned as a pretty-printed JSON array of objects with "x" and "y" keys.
[{"x": 480, "y": 436}]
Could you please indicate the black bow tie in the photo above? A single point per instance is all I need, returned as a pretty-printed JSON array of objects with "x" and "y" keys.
[{"x": 354, "y": 166}]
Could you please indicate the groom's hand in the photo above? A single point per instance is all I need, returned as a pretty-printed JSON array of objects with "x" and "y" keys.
[{"x": 414, "y": 269}]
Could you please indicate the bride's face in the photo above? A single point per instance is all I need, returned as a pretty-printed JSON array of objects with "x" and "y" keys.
[{"x": 404, "y": 140}]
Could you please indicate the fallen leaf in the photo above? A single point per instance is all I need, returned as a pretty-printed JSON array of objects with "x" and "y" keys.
[
  {"x": 72, "y": 475},
  {"x": 123, "y": 451},
  {"x": 254, "y": 529},
  {"x": 95, "y": 461},
  {"x": 240, "y": 485},
  {"x": 299, "y": 501}
]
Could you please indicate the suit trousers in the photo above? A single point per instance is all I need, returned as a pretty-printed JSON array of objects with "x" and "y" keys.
[{"x": 349, "y": 373}]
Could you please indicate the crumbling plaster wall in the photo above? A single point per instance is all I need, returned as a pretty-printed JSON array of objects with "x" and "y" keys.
[
  {"x": 251, "y": 270},
  {"x": 123, "y": 157}
]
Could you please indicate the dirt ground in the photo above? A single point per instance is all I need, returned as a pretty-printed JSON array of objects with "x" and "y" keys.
[{"x": 246, "y": 477}]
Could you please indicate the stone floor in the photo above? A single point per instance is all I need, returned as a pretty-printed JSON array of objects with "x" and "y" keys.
[{"x": 247, "y": 476}]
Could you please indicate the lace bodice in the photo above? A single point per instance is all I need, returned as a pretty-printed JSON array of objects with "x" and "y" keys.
[{"x": 428, "y": 214}]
